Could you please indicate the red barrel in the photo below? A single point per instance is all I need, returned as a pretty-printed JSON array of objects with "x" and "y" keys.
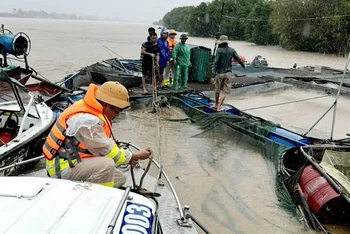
[{"x": 316, "y": 188}]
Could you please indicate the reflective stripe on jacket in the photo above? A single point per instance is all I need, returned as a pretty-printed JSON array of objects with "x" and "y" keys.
[{"x": 61, "y": 151}]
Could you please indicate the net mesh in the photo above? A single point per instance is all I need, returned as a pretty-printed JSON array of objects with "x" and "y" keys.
[{"x": 248, "y": 128}]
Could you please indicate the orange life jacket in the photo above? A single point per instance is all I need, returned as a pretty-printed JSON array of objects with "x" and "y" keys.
[
  {"x": 57, "y": 137},
  {"x": 171, "y": 44}
]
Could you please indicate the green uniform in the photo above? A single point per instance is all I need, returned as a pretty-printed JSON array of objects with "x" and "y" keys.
[{"x": 181, "y": 53}]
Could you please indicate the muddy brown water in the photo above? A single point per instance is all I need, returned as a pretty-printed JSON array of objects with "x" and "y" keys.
[{"x": 223, "y": 177}]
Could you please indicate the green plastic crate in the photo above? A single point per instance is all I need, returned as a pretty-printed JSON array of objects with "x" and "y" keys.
[{"x": 201, "y": 64}]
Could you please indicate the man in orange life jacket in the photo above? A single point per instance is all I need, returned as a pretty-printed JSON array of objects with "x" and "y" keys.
[
  {"x": 170, "y": 65},
  {"x": 79, "y": 146}
]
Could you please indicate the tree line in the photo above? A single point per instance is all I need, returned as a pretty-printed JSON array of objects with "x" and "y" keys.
[
  {"x": 19, "y": 13},
  {"x": 304, "y": 25}
]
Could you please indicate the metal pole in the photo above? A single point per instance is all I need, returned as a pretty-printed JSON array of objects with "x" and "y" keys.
[
  {"x": 199, "y": 224},
  {"x": 51, "y": 83},
  {"x": 26, "y": 113},
  {"x": 182, "y": 217},
  {"x": 21, "y": 163},
  {"x": 119, "y": 209},
  {"x": 336, "y": 99},
  {"x": 319, "y": 120}
]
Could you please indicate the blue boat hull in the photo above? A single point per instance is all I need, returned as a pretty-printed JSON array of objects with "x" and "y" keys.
[{"x": 277, "y": 134}]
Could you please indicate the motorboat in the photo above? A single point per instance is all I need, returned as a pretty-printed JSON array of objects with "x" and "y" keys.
[
  {"x": 147, "y": 204},
  {"x": 24, "y": 122}
]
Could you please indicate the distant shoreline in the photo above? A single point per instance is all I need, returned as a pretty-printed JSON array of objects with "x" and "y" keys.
[
  {"x": 53, "y": 18},
  {"x": 78, "y": 20},
  {"x": 19, "y": 13}
]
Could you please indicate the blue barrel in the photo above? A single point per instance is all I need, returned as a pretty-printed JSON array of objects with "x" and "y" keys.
[
  {"x": 14, "y": 44},
  {"x": 285, "y": 137},
  {"x": 6, "y": 42}
]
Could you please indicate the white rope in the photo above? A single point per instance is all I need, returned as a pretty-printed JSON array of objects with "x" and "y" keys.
[
  {"x": 285, "y": 103},
  {"x": 157, "y": 110}
]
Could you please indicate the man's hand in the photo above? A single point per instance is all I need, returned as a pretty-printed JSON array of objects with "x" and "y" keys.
[
  {"x": 175, "y": 62},
  {"x": 145, "y": 153},
  {"x": 152, "y": 55},
  {"x": 140, "y": 155},
  {"x": 133, "y": 162}
]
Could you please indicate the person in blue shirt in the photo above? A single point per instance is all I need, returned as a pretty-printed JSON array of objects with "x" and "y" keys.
[{"x": 163, "y": 50}]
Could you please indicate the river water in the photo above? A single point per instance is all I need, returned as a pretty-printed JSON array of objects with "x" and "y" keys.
[{"x": 225, "y": 180}]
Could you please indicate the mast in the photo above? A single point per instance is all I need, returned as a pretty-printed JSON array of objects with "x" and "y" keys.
[
  {"x": 336, "y": 99},
  {"x": 334, "y": 105}
]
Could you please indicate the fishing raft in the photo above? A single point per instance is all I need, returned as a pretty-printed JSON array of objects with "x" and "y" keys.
[{"x": 302, "y": 185}]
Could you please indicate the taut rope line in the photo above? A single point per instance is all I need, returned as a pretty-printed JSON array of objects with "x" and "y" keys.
[
  {"x": 157, "y": 110},
  {"x": 285, "y": 103}
]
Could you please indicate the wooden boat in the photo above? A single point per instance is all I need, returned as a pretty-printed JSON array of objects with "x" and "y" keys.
[
  {"x": 23, "y": 123},
  {"x": 132, "y": 64},
  {"x": 107, "y": 70},
  {"x": 53, "y": 95},
  {"x": 19, "y": 46},
  {"x": 318, "y": 179},
  {"x": 128, "y": 80},
  {"x": 18, "y": 73},
  {"x": 146, "y": 205}
]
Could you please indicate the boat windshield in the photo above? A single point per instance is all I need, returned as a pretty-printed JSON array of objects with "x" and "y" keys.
[{"x": 9, "y": 101}]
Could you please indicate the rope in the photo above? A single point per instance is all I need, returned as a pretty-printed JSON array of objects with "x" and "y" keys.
[
  {"x": 157, "y": 110},
  {"x": 284, "y": 103},
  {"x": 146, "y": 170},
  {"x": 108, "y": 49}
]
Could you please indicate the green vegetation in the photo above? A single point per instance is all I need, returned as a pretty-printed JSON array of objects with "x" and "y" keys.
[{"x": 306, "y": 25}]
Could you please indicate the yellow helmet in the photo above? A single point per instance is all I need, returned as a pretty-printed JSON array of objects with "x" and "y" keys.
[
  {"x": 172, "y": 31},
  {"x": 113, "y": 93}
]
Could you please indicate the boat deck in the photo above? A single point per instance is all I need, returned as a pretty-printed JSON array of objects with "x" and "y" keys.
[
  {"x": 238, "y": 81},
  {"x": 167, "y": 206}
]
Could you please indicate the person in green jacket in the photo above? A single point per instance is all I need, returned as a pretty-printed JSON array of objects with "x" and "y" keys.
[
  {"x": 181, "y": 55},
  {"x": 223, "y": 70}
]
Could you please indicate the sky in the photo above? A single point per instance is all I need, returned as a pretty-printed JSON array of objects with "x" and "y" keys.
[{"x": 128, "y": 10}]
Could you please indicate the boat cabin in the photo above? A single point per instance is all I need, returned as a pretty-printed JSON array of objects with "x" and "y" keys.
[{"x": 23, "y": 121}]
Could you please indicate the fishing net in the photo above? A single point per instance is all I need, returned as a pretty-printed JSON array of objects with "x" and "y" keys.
[
  {"x": 337, "y": 165},
  {"x": 253, "y": 130}
]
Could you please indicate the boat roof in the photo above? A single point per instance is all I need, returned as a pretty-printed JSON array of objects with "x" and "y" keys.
[{"x": 46, "y": 205}]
